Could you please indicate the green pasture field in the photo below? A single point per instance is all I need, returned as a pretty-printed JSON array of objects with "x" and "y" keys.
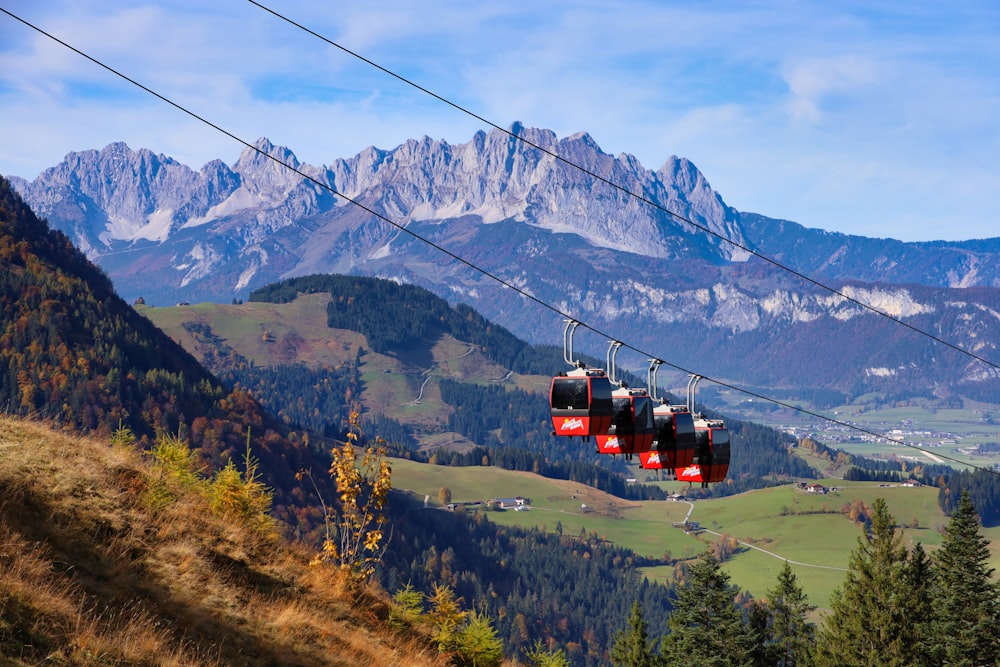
[
  {"x": 266, "y": 333},
  {"x": 809, "y": 530},
  {"x": 646, "y": 528}
]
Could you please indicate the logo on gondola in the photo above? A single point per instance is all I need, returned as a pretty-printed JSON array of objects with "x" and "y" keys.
[
  {"x": 571, "y": 424},
  {"x": 690, "y": 471},
  {"x": 611, "y": 443},
  {"x": 654, "y": 459}
]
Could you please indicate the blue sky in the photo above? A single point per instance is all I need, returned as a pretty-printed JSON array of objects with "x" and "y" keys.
[{"x": 872, "y": 118}]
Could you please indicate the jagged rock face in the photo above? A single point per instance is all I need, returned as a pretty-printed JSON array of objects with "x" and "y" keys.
[
  {"x": 117, "y": 196},
  {"x": 496, "y": 177},
  {"x": 518, "y": 210}
]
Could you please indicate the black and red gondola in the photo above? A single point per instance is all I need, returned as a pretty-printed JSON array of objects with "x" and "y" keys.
[
  {"x": 712, "y": 449},
  {"x": 584, "y": 402},
  {"x": 580, "y": 399},
  {"x": 632, "y": 427},
  {"x": 673, "y": 431}
]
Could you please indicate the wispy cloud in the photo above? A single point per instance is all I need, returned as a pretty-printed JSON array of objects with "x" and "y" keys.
[{"x": 873, "y": 118}]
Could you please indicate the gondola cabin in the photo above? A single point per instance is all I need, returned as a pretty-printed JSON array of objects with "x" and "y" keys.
[
  {"x": 631, "y": 430},
  {"x": 580, "y": 402},
  {"x": 673, "y": 439},
  {"x": 711, "y": 460}
]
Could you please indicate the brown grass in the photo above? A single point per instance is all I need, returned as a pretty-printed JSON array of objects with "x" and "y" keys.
[{"x": 92, "y": 573}]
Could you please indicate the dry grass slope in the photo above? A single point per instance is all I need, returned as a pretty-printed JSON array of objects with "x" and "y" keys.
[{"x": 92, "y": 572}]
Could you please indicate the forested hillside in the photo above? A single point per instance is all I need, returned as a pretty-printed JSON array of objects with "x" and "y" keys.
[
  {"x": 511, "y": 426},
  {"x": 73, "y": 352},
  {"x": 395, "y": 317},
  {"x": 570, "y": 591}
]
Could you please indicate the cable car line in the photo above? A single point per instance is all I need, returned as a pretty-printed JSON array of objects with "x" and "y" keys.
[
  {"x": 466, "y": 262},
  {"x": 626, "y": 191}
]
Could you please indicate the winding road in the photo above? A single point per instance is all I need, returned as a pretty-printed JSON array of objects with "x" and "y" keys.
[{"x": 420, "y": 394}]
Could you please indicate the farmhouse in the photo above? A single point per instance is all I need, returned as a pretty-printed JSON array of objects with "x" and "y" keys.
[
  {"x": 688, "y": 526},
  {"x": 512, "y": 503},
  {"x": 816, "y": 488}
]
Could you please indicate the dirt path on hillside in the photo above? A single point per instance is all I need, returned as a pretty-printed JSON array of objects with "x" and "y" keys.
[{"x": 420, "y": 394}]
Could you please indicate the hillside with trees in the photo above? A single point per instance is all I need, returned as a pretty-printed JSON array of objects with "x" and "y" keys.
[
  {"x": 74, "y": 353},
  {"x": 78, "y": 357},
  {"x": 510, "y": 426}
]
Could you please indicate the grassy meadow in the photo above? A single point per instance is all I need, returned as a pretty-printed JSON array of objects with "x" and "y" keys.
[{"x": 772, "y": 525}]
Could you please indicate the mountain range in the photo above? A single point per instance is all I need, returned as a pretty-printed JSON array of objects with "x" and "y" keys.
[{"x": 696, "y": 295}]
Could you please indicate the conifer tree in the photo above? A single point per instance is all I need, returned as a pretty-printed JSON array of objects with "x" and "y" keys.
[
  {"x": 758, "y": 619},
  {"x": 632, "y": 647},
  {"x": 446, "y": 617},
  {"x": 791, "y": 633},
  {"x": 871, "y": 623},
  {"x": 706, "y": 627},
  {"x": 964, "y": 626},
  {"x": 920, "y": 577},
  {"x": 242, "y": 496},
  {"x": 540, "y": 656},
  {"x": 477, "y": 644}
]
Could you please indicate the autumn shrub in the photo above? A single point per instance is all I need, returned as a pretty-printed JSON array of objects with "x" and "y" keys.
[{"x": 356, "y": 539}]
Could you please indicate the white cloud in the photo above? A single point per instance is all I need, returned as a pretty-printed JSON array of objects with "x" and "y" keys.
[
  {"x": 814, "y": 81},
  {"x": 871, "y": 118}
]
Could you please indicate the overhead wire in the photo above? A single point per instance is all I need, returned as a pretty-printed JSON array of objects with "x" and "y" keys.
[
  {"x": 403, "y": 228},
  {"x": 624, "y": 190}
]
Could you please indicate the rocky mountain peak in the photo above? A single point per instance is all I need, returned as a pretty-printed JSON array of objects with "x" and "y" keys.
[{"x": 263, "y": 171}]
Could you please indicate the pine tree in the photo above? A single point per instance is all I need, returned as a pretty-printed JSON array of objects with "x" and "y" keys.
[
  {"x": 706, "y": 627},
  {"x": 477, "y": 644},
  {"x": 764, "y": 651},
  {"x": 964, "y": 625},
  {"x": 920, "y": 577},
  {"x": 540, "y": 656},
  {"x": 446, "y": 617},
  {"x": 243, "y": 497},
  {"x": 871, "y": 623},
  {"x": 632, "y": 647},
  {"x": 792, "y": 635}
]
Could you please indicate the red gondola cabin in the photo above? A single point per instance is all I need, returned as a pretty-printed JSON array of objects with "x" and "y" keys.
[
  {"x": 631, "y": 430},
  {"x": 580, "y": 402},
  {"x": 673, "y": 439},
  {"x": 711, "y": 461}
]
